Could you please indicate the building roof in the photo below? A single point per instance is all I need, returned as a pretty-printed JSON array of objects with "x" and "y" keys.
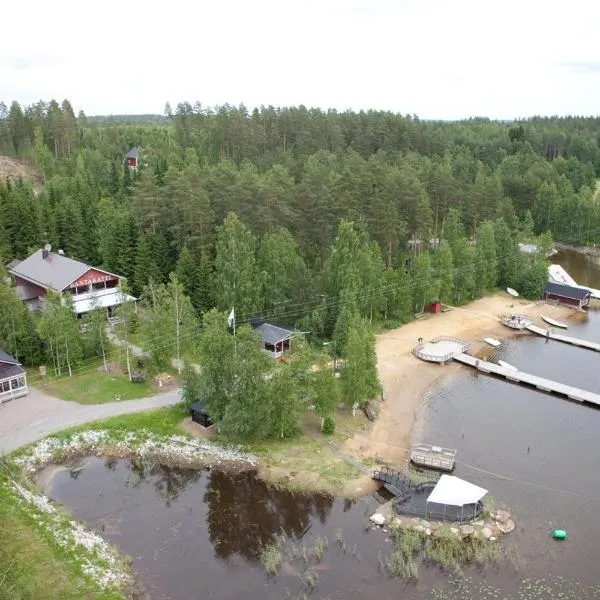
[
  {"x": 13, "y": 263},
  {"x": 54, "y": 272},
  {"x": 7, "y": 371},
  {"x": 7, "y": 358},
  {"x": 454, "y": 491},
  {"x": 199, "y": 406},
  {"x": 9, "y": 366},
  {"x": 133, "y": 153},
  {"x": 271, "y": 334},
  {"x": 566, "y": 291}
]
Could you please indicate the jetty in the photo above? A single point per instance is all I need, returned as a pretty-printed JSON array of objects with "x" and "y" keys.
[
  {"x": 567, "y": 339},
  {"x": 443, "y": 349},
  {"x": 540, "y": 383},
  {"x": 522, "y": 323}
]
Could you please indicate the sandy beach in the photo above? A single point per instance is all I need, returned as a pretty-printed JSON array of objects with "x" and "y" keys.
[{"x": 406, "y": 379}]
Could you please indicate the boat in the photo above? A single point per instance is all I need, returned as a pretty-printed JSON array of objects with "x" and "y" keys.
[
  {"x": 492, "y": 342},
  {"x": 433, "y": 457},
  {"x": 506, "y": 365},
  {"x": 512, "y": 292},
  {"x": 554, "y": 322}
]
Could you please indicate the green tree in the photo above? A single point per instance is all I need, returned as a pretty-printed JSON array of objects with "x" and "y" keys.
[
  {"x": 360, "y": 378},
  {"x": 59, "y": 329},
  {"x": 126, "y": 314},
  {"x": 284, "y": 274},
  {"x": 18, "y": 335},
  {"x": 425, "y": 285},
  {"x": 236, "y": 279},
  {"x": 191, "y": 384},
  {"x": 323, "y": 391},
  {"x": 95, "y": 324},
  {"x": 444, "y": 270},
  {"x": 487, "y": 272}
]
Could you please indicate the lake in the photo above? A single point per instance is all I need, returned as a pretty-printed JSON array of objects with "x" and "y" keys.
[{"x": 198, "y": 534}]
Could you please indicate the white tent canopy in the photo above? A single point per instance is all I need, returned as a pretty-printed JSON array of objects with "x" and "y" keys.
[{"x": 454, "y": 491}]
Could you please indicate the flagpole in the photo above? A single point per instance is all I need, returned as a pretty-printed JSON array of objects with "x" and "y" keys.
[{"x": 234, "y": 340}]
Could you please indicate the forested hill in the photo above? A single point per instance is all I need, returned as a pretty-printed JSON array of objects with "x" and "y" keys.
[{"x": 291, "y": 176}]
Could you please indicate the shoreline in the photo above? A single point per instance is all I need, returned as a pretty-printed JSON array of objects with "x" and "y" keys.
[{"x": 407, "y": 381}]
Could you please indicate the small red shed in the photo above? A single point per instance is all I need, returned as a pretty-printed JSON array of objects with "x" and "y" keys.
[
  {"x": 132, "y": 158},
  {"x": 435, "y": 307}
]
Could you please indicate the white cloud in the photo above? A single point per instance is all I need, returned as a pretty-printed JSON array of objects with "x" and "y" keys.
[{"x": 435, "y": 58}]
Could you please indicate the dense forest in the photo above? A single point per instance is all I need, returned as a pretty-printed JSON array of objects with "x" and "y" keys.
[{"x": 302, "y": 215}]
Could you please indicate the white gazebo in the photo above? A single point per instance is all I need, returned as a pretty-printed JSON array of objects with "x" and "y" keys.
[{"x": 453, "y": 491}]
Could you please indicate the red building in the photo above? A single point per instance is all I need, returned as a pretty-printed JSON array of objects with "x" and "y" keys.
[
  {"x": 132, "y": 158},
  {"x": 566, "y": 294},
  {"x": 45, "y": 270}
]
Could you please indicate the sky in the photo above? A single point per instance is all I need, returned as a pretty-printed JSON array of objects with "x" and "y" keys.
[{"x": 438, "y": 59}]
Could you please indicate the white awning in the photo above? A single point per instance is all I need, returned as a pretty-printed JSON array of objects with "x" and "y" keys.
[
  {"x": 82, "y": 303},
  {"x": 455, "y": 492}
]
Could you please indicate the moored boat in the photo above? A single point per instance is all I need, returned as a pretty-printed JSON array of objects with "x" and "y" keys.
[
  {"x": 554, "y": 322},
  {"x": 492, "y": 342},
  {"x": 512, "y": 292}
]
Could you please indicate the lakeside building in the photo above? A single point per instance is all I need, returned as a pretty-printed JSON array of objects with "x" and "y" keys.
[
  {"x": 566, "y": 294},
  {"x": 13, "y": 378},
  {"x": 46, "y": 271}
]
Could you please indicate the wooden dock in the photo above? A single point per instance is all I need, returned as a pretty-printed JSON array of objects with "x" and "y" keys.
[
  {"x": 540, "y": 383},
  {"x": 567, "y": 339}
]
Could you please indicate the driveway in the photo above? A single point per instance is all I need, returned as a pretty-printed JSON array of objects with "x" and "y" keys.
[{"x": 26, "y": 420}]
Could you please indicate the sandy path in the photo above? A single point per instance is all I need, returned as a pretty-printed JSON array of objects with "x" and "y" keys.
[{"x": 406, "y": 379}]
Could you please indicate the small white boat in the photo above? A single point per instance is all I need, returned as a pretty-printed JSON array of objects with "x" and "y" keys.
[
  {"x": 554, "y": 322},
  {"x": 512, "y": 292},
  {"x": 492, "y": 342},
  {"x": 506, "y": 365}
]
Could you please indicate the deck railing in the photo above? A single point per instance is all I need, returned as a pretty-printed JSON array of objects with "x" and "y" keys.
[{"x": 418, "y": 349}]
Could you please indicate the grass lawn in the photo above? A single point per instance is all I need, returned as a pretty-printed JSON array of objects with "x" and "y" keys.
[
  {"x": 33, "y": 567},
  {"x": 95, "y": 387}
]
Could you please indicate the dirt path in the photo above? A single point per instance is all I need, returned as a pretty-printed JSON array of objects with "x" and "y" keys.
[
  {"x": 26, "y": 420},
  {"x": 406, "y": 379}
]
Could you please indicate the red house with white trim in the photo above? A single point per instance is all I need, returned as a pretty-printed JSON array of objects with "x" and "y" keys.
[{"x": 46, "y": 270}]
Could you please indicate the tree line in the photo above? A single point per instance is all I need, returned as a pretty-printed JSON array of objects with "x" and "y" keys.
[{"x": 327, "y": 221}]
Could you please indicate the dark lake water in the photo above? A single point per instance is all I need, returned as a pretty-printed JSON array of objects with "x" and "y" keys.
[
  {"x": 197, "y": 534},
  {"x": 545, "y": 447}
]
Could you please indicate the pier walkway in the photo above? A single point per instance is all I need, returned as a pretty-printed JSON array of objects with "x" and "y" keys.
[
  {"x": 541, "y": 383},
  {"x": 567, "y": 339}
]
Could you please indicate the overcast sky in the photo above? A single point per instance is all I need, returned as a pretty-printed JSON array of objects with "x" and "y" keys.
[{"x": 440, "y": 59}]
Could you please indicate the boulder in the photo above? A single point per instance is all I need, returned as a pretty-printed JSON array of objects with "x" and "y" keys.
[
  {"x": 377, "y": 519},
  {"x": 506, "y": 527},
  {"x": 486, "y": 533},
  {"x": 425, "y": 524},
  {"x": 428, "y": 531},
  {"x": 467, "y": 530},
  {"x": 454, "y": 530},
  {"x": 419, "y": 528},
  {"x": 501, "y": 516},
  {"x": 397, "y": 522}
]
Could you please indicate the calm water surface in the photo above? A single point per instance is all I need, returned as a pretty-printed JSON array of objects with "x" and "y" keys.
[
  {"x": 545, "y": 446},
  {"x": 197, "y": 534}
]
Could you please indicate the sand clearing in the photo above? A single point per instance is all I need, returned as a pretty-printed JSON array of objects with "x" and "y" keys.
[{"x": 406, "y": 379}]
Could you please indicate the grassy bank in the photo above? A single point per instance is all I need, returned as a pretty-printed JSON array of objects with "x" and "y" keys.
[{"x": 32, "y": 565}]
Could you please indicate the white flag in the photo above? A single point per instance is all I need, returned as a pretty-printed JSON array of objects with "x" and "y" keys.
[{"x": 231, "y": 318}]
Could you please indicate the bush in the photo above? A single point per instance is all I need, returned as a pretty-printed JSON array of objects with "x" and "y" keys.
[{"x": 328, "y": 426}]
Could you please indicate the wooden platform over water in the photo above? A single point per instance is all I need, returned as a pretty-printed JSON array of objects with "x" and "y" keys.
[
  {"x": 567, "y": 339},
  {"x": 540, "y": 383}
]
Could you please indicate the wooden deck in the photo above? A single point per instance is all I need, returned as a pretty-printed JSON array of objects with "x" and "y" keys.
[
  {"x": 567, "y": 339},
  {"x": 540, "y": 383}
]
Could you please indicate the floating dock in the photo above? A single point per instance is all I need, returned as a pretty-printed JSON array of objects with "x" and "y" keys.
[
  {"x": 567, "y": 339},
  {"x": 540, "y": 383},
  {"x": 443, "y": 349},
  {"x": 432, "y": 457}
]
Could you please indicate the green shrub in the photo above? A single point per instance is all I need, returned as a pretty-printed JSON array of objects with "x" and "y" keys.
[{"x": 328, "y": 426}]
